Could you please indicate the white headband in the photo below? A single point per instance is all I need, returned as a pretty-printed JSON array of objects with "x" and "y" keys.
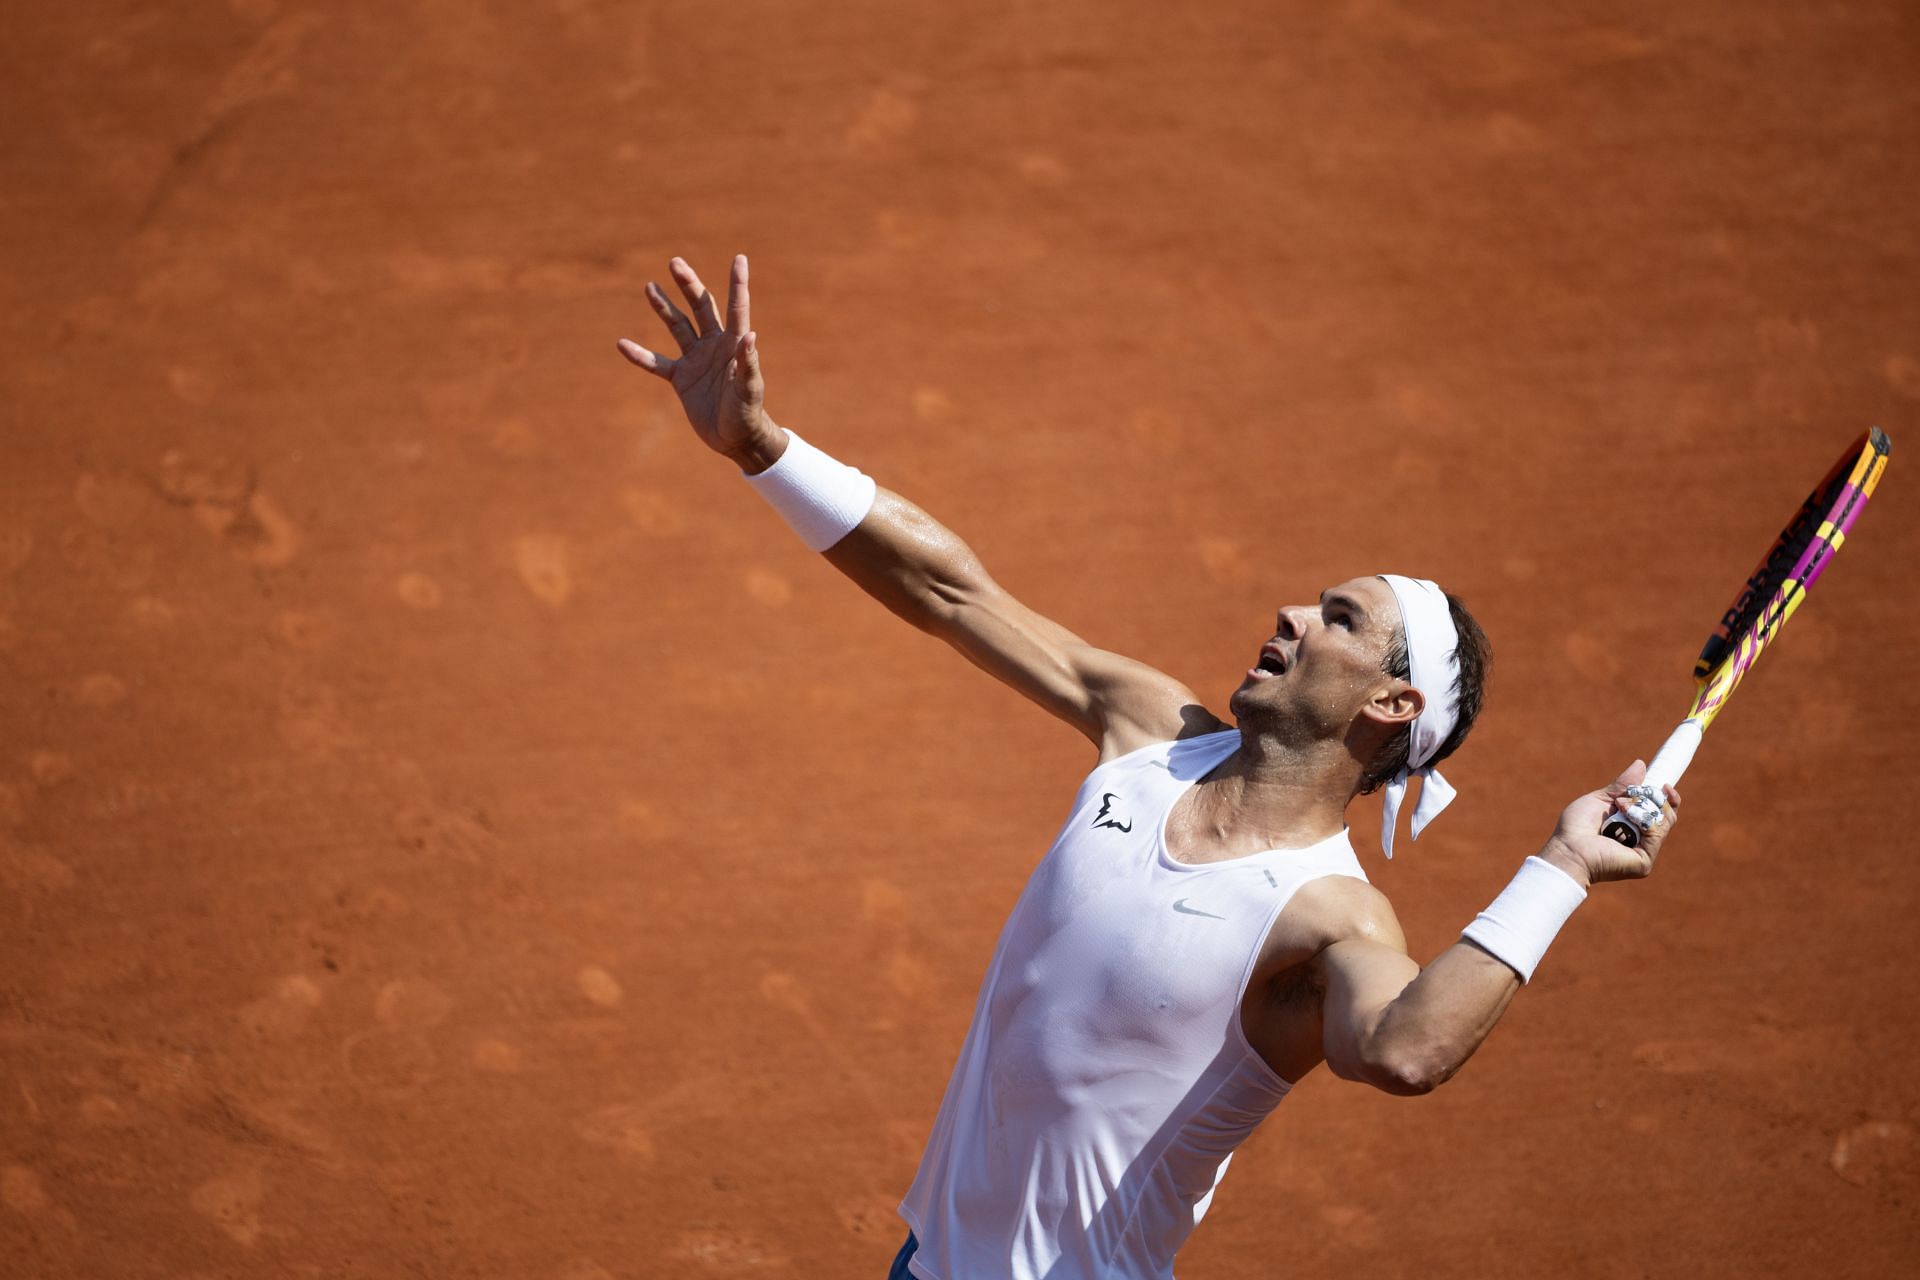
[{"x": 1431, "y": 645}]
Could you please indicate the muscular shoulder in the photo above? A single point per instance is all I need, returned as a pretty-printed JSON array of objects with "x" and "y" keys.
[
  {"x": 1328, "y": 918},
  {"x": 1343, "y": 909},
  {"x": 1324, "y": 913},
  {"x": 1139, "y": 705}
]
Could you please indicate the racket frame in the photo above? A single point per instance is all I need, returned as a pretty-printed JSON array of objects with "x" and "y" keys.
[{"x": 1770, "y": 596}]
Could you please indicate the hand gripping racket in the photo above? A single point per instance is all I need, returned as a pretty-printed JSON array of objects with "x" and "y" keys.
[{"x": 1766, "y": 600}]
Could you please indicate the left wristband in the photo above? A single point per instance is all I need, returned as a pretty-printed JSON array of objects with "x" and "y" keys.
[
  {"x": 820, "y": 498},
  {"x": 1520, "y": 924}
]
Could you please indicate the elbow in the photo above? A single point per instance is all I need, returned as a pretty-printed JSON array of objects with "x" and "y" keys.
[
  {"x": 1409, "y": 1081},
  {"x": 1407, "y": 1073}
]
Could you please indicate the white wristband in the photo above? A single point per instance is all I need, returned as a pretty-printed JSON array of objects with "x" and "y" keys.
[
  {"x": 823, "y": 500},
  {"x": 1521, "y": 923}
]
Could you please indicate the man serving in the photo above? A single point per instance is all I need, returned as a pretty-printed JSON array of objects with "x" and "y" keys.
[{"x": 1201, "y": 934}]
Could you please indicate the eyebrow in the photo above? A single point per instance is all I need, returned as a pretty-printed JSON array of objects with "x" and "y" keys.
[{"x": 1346, "y": 602}]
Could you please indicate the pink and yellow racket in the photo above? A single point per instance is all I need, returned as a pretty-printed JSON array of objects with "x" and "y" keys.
[{"x": 1766, "y": 600}]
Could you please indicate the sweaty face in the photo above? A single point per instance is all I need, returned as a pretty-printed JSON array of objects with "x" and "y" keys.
[{"x": 1325, "y": 660}]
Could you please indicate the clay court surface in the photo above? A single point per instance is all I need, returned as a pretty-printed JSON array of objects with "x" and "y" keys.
[{"x": 449, "y": 828}]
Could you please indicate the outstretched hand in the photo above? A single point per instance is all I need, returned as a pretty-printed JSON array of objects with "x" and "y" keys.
[
  {"x": 1578, "y": 848},
  {"x": 717, "y": 376}
]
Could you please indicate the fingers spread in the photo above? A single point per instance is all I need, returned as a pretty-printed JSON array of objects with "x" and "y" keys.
[
  {"x": 698, "y": 298},
  {"x": 646, "y": 359},
  {"x": 737, "y": 298},
  {"x": 677, "y": 324}
]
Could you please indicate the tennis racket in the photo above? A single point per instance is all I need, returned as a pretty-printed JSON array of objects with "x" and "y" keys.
[{"x": 1766, "y": 600}]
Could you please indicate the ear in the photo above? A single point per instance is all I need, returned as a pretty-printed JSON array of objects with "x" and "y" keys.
[{"x": 1394, "y": 704}]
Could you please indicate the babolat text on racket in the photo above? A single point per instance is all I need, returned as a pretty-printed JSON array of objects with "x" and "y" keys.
[{"x": 1766, "y": 600}]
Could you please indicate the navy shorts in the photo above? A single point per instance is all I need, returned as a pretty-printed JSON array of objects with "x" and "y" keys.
[{"x": 899, "y": 1269}]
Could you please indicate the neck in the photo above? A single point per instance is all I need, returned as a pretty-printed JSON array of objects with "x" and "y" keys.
[{"x": 1271, "y": 795}]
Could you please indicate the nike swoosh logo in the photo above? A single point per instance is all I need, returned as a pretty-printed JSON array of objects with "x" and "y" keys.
[{"x": 1185, "y": 910}]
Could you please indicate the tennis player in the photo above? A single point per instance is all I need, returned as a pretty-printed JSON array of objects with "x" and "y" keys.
[{"x": 1201, "y": 934}]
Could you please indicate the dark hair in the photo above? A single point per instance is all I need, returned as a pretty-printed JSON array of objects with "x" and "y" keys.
[{"x": 1474, "y": 655}]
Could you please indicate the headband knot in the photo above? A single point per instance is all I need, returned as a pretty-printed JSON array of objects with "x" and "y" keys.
[{"x": 1433, "y": 661}]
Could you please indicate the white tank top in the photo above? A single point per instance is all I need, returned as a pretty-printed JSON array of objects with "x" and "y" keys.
[{"x": 1106, "y": 1081}]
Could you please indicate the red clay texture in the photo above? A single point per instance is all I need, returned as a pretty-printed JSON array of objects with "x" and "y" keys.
[{"x": 449, "y": 828}]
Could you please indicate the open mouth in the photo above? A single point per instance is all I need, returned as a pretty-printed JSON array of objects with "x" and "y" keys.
[{"x": 1273, "y": 662}]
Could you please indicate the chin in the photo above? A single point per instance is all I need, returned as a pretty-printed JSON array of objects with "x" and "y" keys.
[{"x": 1246, "y": 706}]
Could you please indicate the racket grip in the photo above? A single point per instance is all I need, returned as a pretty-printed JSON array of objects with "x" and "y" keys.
[{"x": 1630, "y": 825}]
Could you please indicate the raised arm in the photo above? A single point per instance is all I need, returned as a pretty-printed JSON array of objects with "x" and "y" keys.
[
  {"x": 902, "y": 556},
  {"x": 1388, "y": 1023}
]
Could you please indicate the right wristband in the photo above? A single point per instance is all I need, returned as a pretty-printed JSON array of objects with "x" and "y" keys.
[
  {"x": 821, "y": 499},
  {"x": 1519, "y": 925}
]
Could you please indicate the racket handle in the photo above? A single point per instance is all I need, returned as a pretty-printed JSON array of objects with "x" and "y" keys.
[{"x": 1631, "y": 824}]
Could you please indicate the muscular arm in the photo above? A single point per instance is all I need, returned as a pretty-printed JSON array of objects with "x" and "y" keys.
[
  {"x": 925, "y": 574},
  {"x": 1398, "y": 1027},
  {"x": 1391, "y": 1024},
  {"x": 903, "y": 557}
]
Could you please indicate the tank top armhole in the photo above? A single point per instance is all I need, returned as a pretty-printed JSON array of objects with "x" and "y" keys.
[{"x": 1272, "y": 1078}]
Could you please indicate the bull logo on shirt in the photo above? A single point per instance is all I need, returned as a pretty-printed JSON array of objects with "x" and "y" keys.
[{"x": 1101, "y": 819}]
